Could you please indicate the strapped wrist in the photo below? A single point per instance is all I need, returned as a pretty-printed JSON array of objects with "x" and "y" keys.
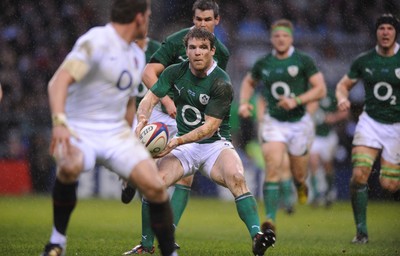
[
  {"x": 59, "y": 119},
  {"x": 298, "y": 100},
  {"x": 243, "y": 101}
]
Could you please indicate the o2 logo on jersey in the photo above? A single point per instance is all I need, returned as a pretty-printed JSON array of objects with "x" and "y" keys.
[
  {"x": 279, "y": 89},
  {"x": 384, "y": 91},
  {"x": 196, "y": 114},
  {"x": 124, "y": 80}
]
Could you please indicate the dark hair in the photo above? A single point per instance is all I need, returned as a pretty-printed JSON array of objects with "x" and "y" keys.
[
  {"x": 205, "y": 5},
  {"x": 125, "y": 11},
  {"x": 200, "y": 33},
  {"x": 388, "y": 18}
]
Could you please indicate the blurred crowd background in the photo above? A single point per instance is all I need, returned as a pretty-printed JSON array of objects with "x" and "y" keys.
[{"x": 35, "y": 36}]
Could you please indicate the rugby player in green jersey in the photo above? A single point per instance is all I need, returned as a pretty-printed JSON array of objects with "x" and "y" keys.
[
  {"x": 291, "y": 81},
  {"x": 378, "y": 127},
  {"x": 172, "y": 51},
  {"x": 324, "y": 146},
  {"x": 203, "y": 95}
]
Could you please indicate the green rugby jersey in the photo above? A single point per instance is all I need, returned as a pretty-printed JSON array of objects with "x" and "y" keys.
[
  {"x": 195, "y": 97},
  {"x": 152, "y": 47},
  {"x": 381, "y": 79},
  {"x": 284, "y": 77},
  {"x": 326, "y": 105}
]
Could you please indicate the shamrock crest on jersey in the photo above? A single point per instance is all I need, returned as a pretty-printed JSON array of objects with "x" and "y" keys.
[{"x": 204, "y": 99}]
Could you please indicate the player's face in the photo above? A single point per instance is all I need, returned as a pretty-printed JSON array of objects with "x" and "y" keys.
[
  {"x": 200, "y": 55},
  {"x": 281, "y": 41},
  {"x": 386, "y": 35},
  {"x": 205, "y": 19}
]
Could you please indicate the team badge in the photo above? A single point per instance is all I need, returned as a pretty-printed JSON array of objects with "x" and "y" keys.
[
  {"x": 204, "y": 99},
  {"x": 293, "y": 70},
  {"x": 397, "y": 72}
]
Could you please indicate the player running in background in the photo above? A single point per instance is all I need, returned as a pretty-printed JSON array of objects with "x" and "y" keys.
[
  {"x": 88, "y": 98},
  {"x": 378, "y": 128},
  {"x": 323, "y": 149},
  {"x": 203, "y": 96},
  {"x": 172, "y": 51},
  {"x": 291, "y": 80}
]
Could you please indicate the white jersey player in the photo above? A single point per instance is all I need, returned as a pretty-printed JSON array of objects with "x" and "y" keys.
[{"x": 88, "y": 96}]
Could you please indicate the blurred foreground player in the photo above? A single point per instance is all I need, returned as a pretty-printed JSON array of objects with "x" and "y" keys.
[{"x": 88, "y": 98}]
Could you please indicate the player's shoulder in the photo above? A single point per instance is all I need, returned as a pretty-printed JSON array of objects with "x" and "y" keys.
[
  {"x": 97, "y": 37},
  {"x": 177, "y": 37},
  {"x": 221, "y": 47},
  {"x": 154, "y": 44},
  {"x": 221, "y": 76},
  {"x": 366, "y": 55},
  {"x": 178, "y": 69}
]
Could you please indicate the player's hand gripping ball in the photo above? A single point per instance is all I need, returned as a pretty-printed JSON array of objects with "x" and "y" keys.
[{"x": 155, "y": 137}]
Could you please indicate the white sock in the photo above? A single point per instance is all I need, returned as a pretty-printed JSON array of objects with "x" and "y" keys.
[{"x": 57, "y": 238}]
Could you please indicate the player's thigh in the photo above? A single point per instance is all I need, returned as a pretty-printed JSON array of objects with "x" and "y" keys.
[
  {"x": 274, "y": 154},
  {"x": 122, "y": 152},
  {"x": 170, "y": 169},
  {"x": 146, "y": 179},
  {"x": 227, "y": 168}
]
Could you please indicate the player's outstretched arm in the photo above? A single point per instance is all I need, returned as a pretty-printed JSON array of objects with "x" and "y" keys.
[
  {"x": 144, "y": 110},
  {"x": 202, "y": 132}
]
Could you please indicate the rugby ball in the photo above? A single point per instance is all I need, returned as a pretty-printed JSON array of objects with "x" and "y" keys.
[{"x": 154, "y": 137}]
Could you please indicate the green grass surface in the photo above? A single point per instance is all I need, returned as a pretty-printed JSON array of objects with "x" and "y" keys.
[{"x": 208, "y": 227}]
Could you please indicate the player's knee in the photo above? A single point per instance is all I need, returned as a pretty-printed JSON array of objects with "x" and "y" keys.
[
  {"x": 155, "y": 193},
  {"x": 68, "y": 174},
  {"x": 70, "y": 166},
  {"x": 360, "y": 175},
  {"x": 186, "y": 181},
  {"x": 238, "y": 178},
  {"x": 391, "y": 185}
]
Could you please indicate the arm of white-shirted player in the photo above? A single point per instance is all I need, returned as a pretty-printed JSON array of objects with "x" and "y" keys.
[{"x": 130, "y": 110}]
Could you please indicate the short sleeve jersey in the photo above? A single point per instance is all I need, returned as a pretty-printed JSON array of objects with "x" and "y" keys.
[
  {"x": 284, "y": 77},
  {"x": 173, "y": 51},
  {"x": 152, "y": 47},
  {"x": 381, "y": 79},
  {"x": 326, "y": 105},
  {"x": 196, "y": 97},
  {"x": 116, "y": 68}
]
